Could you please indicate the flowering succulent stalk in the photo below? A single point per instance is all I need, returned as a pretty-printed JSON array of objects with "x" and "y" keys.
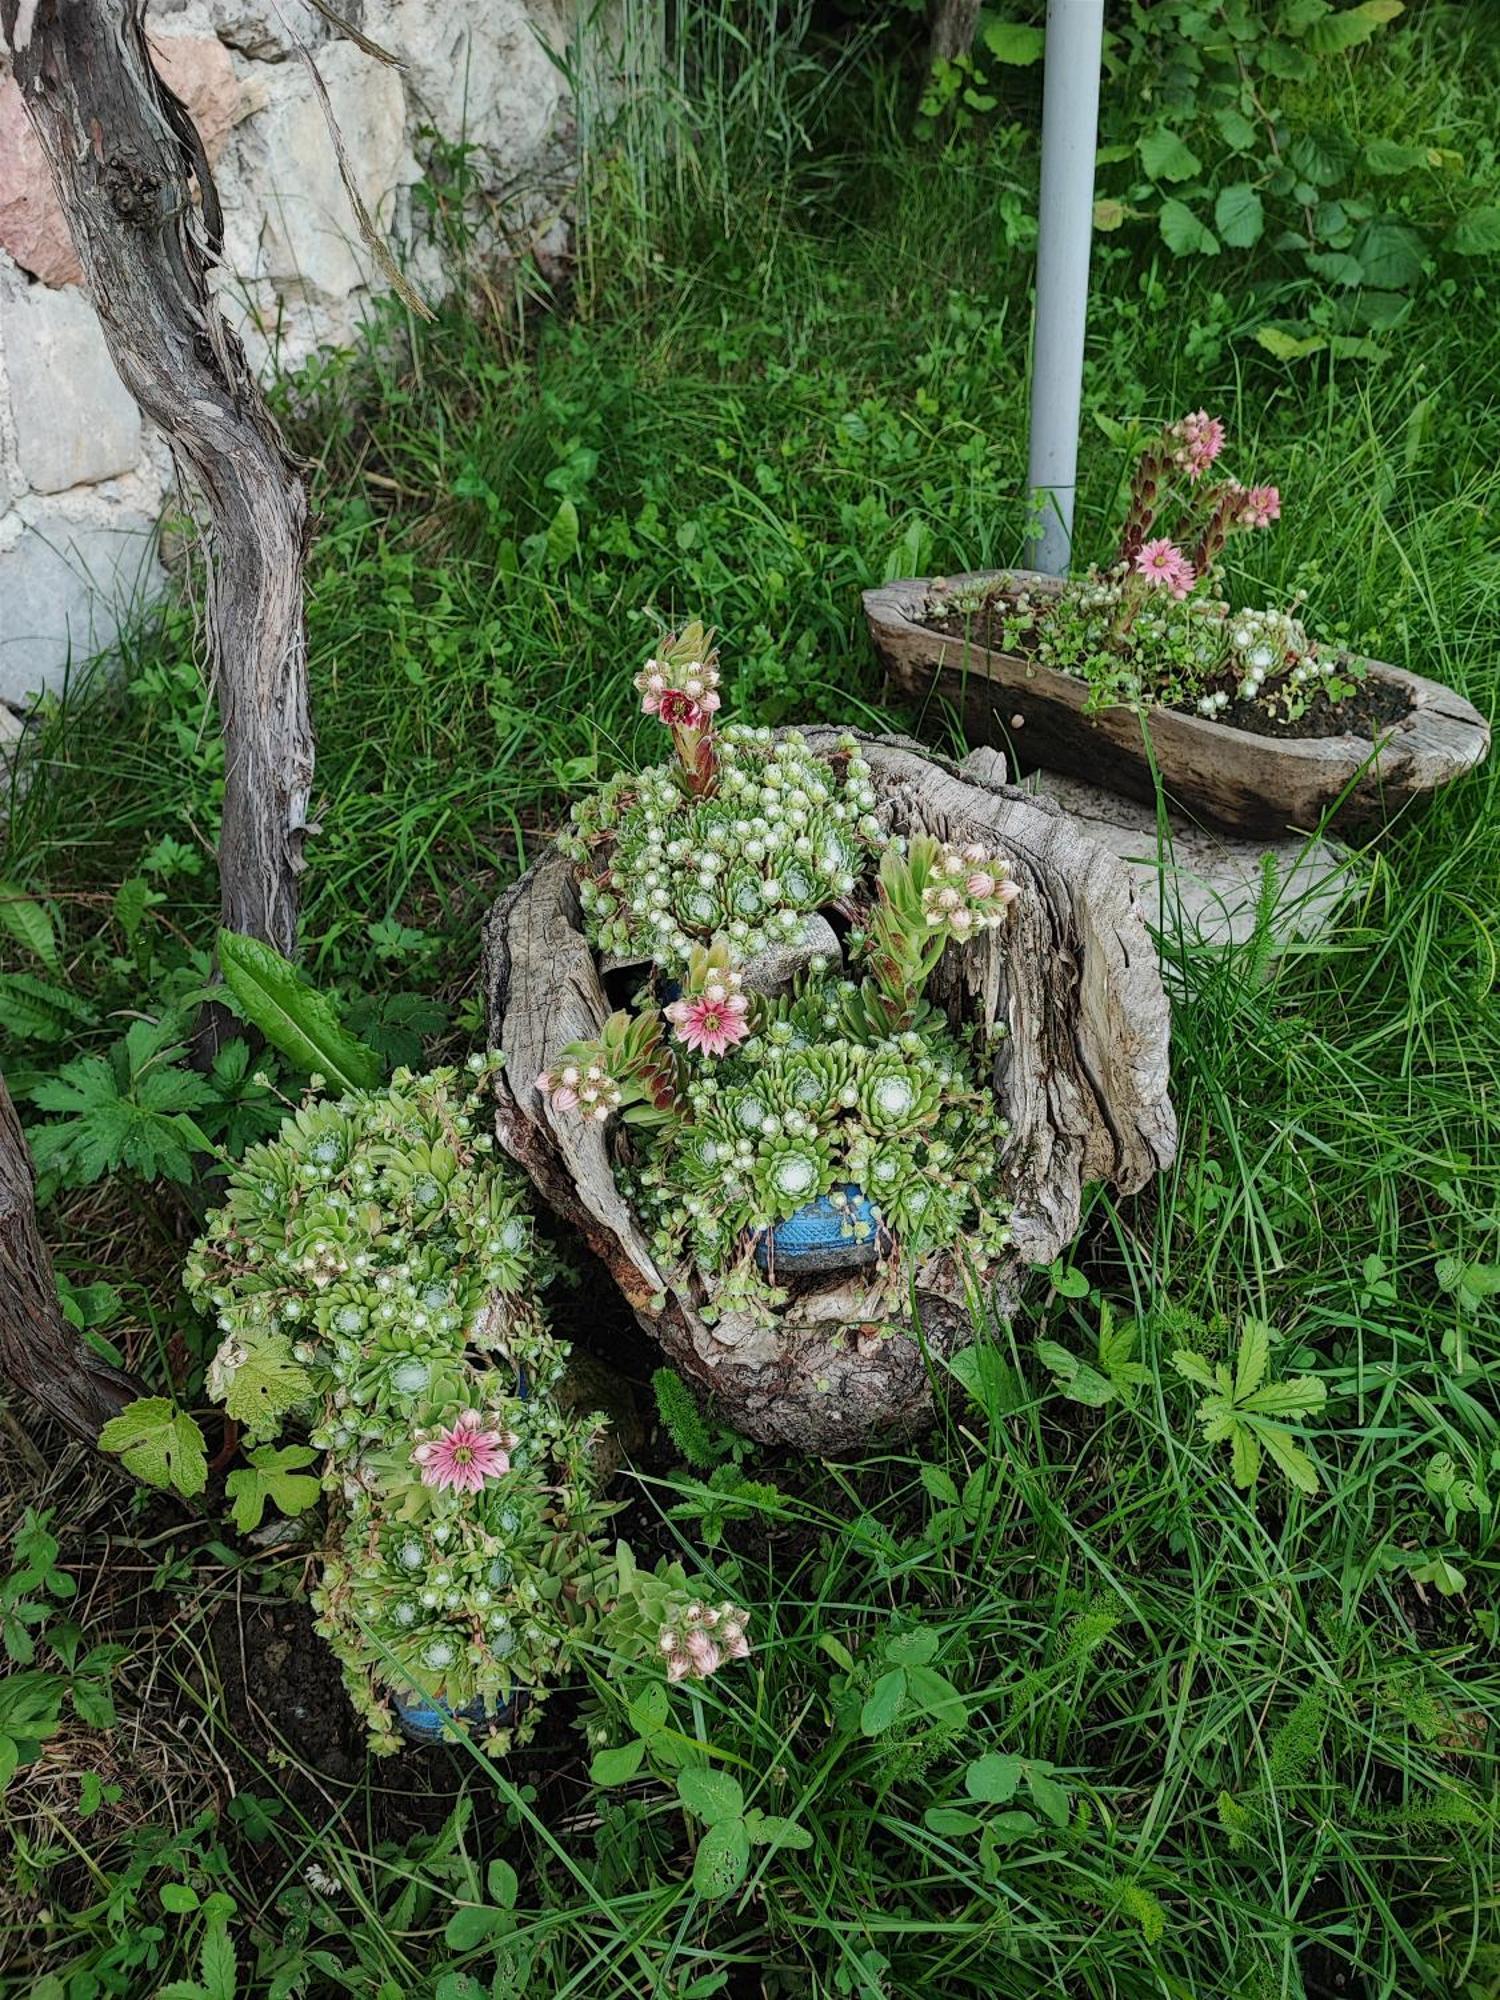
[
  {"x": 1195, "y": 442},
  {"x": 712, "y": 1012},
  {"x": 1151, "y": 470},
  {"x": 628, "y": 1071},
  {"x": 701, "y": 1638},
  {"x": 680, "y": 686},
  {"x": 931, "y": 895}
]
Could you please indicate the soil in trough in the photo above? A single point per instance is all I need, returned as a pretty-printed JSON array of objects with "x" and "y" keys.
[{"x": 1374, "y": 707}]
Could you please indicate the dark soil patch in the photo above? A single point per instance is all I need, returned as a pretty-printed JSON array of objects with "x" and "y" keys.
[{"x": 1375, "y": 705}]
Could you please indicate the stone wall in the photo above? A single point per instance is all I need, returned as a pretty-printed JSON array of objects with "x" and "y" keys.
[{"x": 82, "y": 479}]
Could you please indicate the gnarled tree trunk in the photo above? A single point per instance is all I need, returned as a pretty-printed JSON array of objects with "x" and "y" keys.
[
  {"x": 1081, "y": 1074},
  {"x": 123, "y": 154},
  {"x": 39, "y": 1352}
]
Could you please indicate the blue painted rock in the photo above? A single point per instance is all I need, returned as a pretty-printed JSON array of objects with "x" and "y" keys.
[
  {"x": 422, "y": 1719},
  {"x": 822, "y": 1236}
]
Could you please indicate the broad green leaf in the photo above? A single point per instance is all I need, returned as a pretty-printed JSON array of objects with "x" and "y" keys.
[
  {"x": 29, "y": 924},
  {"x": 649, "y": 1710},
  {"x": 562, "y": 536},
  {"x": 1476, "y": 234},
  {"x": 1194, "y": 1367},
  {"x": 1008, "y": 1826},
  {"x": 1254, "y": 1358},
  {"x": 1166, "y": 157},
  {"x": 132, "y": 900},
  {"x": 722, "y": 1858},
  {"x": 1014, "y": 42},
  {"x": 767, "y": 1830},
  {"x": 1183, "y": 233},
  {"x": 1336, "y": 267},
  {"x": 1110, "y": 214},
  {"x": 273, "y": 1475},
  {"x": 1389, "y": 156},
  {"x": 951, "y": 1821},
  {"x": 711, "y": 1796},
  {"x": 469, "y": 1926},
  {"x": 503, "y": 1884},
  {"x": 159, "y": 1444},
  {"x": 617, "y": 1766},
  {"x": 939, "y": 1484},
  {"x": 1245, "y": 1455},
  {"x": 1067, "y": 1280},
  {"x": 179, "y": 1898},
  {"x": 1078, "y": 1381},
  {"x": 1239, "y": 215},
  {"x": 913, "y": 1649},
  {"x": 216, "y": 1961},
  {"x": 936, "y": 1695},
  {"x": 296, "y": 1019},
  {"x": 1298, "y": 1397},
  {"x": 993, "y": 1778},
  {"x": 884, "y": 1702},
  {"x": 268, "y": 1382},
  {"x": 1318, "y": 157},
  {"x": 1292, "y": 1459},
  {"x": 1047, "y": 1795},
  {"x": 1289, "y": 343},
  {"x": 1235, "y": 129},
  {"x": 1390, "y": 253}
]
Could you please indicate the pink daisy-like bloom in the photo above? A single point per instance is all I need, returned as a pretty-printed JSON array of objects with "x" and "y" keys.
[
  {"x": 461, "y": 1459},
  {"x": 712, "y": 1021},
  {"x": 1201, "y": 440},
  {"x": 1262, "y": 506},
  {"x": 1165, "y": 567}
]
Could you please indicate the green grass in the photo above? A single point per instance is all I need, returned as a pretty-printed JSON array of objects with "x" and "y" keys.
[{"x": 796, "y": 365}]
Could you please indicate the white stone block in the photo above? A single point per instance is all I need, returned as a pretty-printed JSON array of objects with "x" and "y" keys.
[
  {"x": 74, "y": 420},
  {"x": 66, "y": 584}
]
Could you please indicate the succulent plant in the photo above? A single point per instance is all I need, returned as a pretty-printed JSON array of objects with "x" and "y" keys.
[
  {"x": 374, "y": 1274},
  {"x": 662, "y": 868}
]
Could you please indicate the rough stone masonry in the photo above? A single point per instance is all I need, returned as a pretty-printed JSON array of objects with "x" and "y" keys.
[{"x": 82, "y": 480}]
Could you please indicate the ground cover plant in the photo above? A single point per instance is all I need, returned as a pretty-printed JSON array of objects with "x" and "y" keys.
[{"x": 1081, "y": 1695}]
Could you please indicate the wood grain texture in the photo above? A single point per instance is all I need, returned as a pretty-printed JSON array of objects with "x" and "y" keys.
[
  {"x": 126, "y": 159},
  {"x": 40, "y": 1354},
  {"x": 1228, "y": 778},
  {"x": 1081, "y": 1071}
]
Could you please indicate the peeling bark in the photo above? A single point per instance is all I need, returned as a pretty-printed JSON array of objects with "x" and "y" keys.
[
  {"x": 124, "y": 155},
  {"x": 1081, "y": 1074},
  {"x": 39, "y": 1352}
]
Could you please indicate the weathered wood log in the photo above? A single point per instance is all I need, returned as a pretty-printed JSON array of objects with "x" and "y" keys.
[
  {"x": 39, "y": 1352},
  {"x": 952, "y": 26},
  {"x": 124, "y": 155},
  {"x": 1081, "y": 1074},
  {"x": 1231, "y": 779}
]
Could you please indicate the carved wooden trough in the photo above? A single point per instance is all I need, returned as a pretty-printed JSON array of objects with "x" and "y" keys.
[
  {"x": 1232, "y": 779},
  {"x": 1081, "y": 1074}
]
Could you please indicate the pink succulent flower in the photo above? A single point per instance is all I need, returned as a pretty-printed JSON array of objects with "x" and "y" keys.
[
  {"x": 678, "y": 710},
  {"x": 1165, "y": 567},
  {"x": 1262, "y": 506},
  {"x": 1200, "y": 440},
  {"x": 712, "y": 1021},
  {"x": 462, "y": 1458}
]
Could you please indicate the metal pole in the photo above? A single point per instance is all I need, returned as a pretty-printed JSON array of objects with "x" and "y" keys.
[{"x": 1070, "y": 128}]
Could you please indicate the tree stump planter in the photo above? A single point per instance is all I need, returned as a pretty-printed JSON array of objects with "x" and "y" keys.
[
  {"x": 1081, "y": 1073},
  {"x": 1232, "y": 779}
]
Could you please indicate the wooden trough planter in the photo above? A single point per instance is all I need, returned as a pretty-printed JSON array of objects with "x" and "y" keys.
[
  {"x": 1233, "y": 779},
  {"x": 1081, "y": 1074}
]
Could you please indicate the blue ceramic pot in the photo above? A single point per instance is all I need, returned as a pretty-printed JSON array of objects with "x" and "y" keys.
[
  {"x": 822, "y": 1237},
  {"x": 422, "y": 1720}
]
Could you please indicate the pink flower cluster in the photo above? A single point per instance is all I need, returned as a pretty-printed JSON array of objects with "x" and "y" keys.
[
  {"x": 1198, "y": 440},
  {"x": 698, "y": 1643},
  {"x": 1165, "y": 567},
  {"x": 688, "y": 705},
  {"x": 588, "y": 1086},
  {"x": 711, "y": 1022},
  {"x": 462, "y": 1458},
  {"x": 1260, "y": 506},
  {"x": 970, "y": 891}
]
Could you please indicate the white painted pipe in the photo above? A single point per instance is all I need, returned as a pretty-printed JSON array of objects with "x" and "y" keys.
[{"x": 1070, "y": 131}]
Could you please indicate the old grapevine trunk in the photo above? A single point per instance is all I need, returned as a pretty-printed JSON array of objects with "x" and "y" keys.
[
  {"x": 39, "y": 1351},
  {"x": 124, "y": 155},
  {"x": 1081, "y": 1074}
]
